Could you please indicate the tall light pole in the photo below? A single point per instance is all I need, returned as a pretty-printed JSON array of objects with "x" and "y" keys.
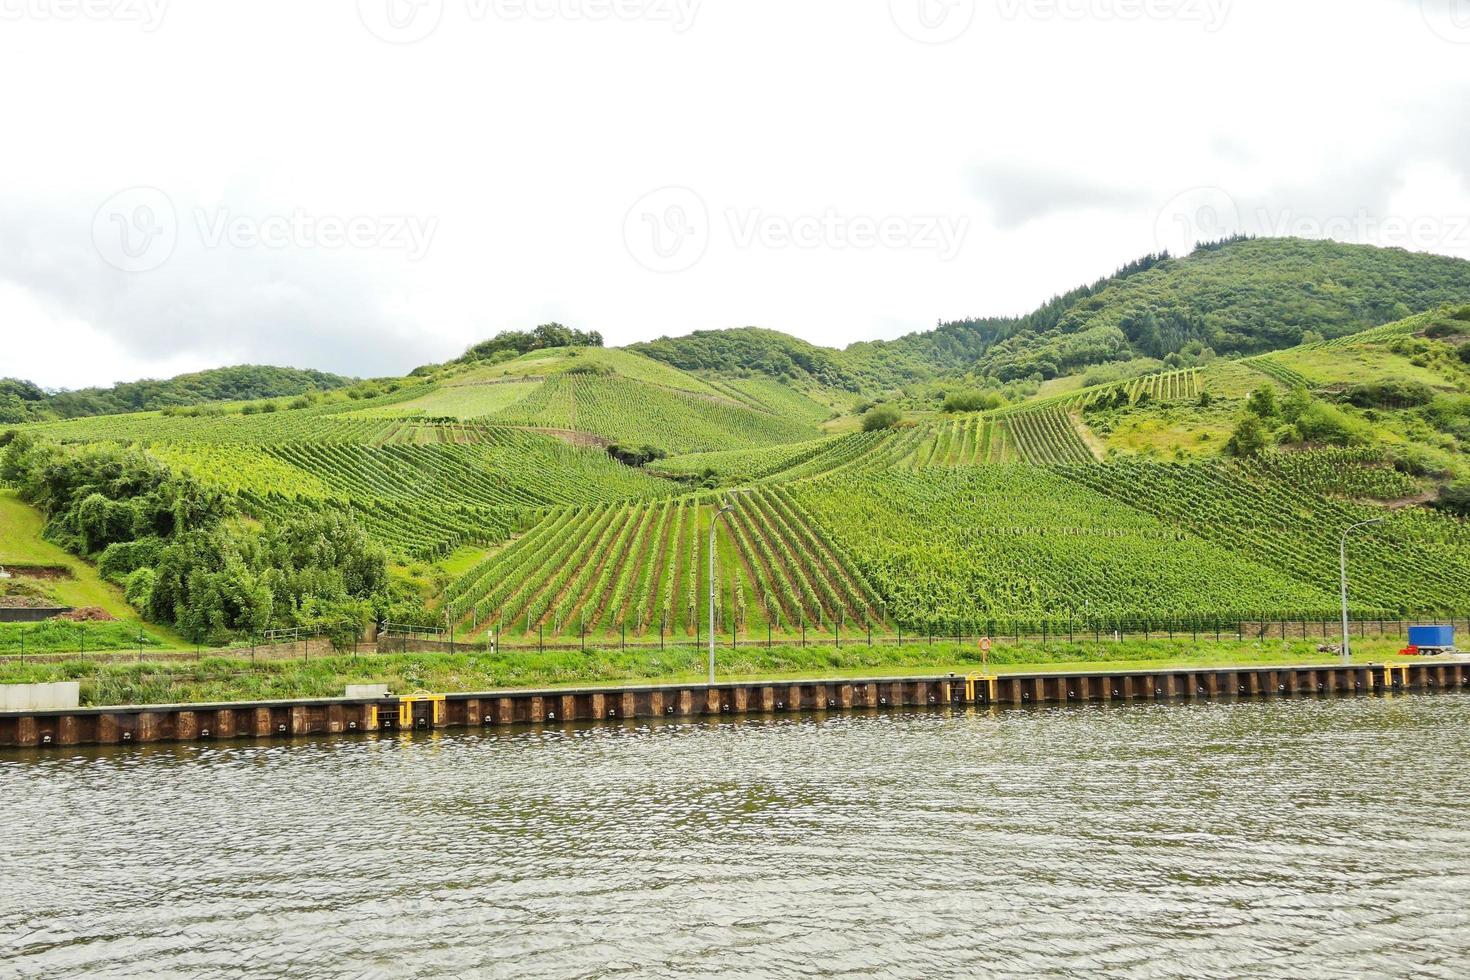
[
  {"x": 713, "y": 525},
  {"x": 1347, "y": 655}
]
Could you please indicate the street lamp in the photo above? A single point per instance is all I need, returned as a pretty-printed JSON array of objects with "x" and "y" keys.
[
  {"x": 1347, "y": 655},
  {"x": 713, "y": 525}
]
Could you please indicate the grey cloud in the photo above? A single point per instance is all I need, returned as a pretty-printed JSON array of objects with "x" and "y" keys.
[
  {"x": 1018, "y": 194},
  {"x": 1367, "y": 185},
  {"x": 302, "y": 307}
]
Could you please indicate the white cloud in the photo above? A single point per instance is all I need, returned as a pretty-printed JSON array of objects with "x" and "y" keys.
[{"x": 527, "y": 139}]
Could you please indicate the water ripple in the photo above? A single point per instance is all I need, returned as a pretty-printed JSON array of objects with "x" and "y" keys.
[{"x": 1321, "y": 838}]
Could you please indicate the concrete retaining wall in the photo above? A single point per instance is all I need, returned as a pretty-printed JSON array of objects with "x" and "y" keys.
[
  {"x": 57, "y": 696},
  {"x": 10, "y": 614}
]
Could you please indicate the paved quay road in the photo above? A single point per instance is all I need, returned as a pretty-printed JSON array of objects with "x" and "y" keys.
[{"x": 1293, "y": 838}]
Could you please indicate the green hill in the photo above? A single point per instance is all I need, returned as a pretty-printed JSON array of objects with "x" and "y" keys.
[
  {"x": 22, "y": 401},
  {"x": 495, "y": 493},
  {"x": 1244, "y": 296}
]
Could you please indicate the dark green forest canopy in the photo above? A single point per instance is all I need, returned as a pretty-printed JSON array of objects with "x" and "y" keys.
[
  {"x": 752, "y": 350},
  {"x": 1240, "y": 296},
  {"x": 509, "y": 343},
  {"x": 22, "y": 401}
]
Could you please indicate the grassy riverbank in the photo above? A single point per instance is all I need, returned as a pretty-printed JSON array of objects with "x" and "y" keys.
[{"x": 227, "y": 679}]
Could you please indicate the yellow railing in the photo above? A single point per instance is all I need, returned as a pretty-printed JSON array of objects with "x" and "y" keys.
[
  {"x": 989, "y": 680},
  {"x": 407, "y": 701}
]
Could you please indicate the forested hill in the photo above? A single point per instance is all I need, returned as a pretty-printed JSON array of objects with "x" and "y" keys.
[
  {"x": 22, "y": 401},
  {"x": 1243, "y": 296}
]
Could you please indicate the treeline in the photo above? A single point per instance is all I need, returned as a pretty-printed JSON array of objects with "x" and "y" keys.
[
  {"x": 23, "y": 401},
  {"x": 1241, "y": 296},
  {"x": 1238, "y": 296},
  {"x": 509, "y": 343},
  {"x": 182, "y": 555},
  {"x": 752, "y": 350},
  {"x": 959, "y": 345}
]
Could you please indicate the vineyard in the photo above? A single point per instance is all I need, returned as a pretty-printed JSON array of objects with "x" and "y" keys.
[
  {"x": 1047, "y": 436},
  {"x": 968, "y": 440},
  {"x": 515, "y": 488},
  {"x": 1277, "y": 371},
  {"x": 1359, "y": 474},
  {"x": 643, "y": 568},
  {"x": 949, "y": 551},
  {"x": 647, "y": 414},
  {"x": 1416, "y": 560}
]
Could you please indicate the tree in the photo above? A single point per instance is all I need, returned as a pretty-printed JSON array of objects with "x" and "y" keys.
[
  {"x": 972, "y": 401},
  {"x": 1455, "y": 499},
  {"x": 12, "y": 409},
  {"x": 881, "y": 417},
  {"x": 1250, "y": 438},
  {"x": 547, "y": 335},
  {"x": 1262, "y": 402},
  {"x": 1298, "y": 403}
]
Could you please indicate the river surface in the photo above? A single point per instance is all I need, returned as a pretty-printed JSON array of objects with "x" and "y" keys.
[{"x": 1302, "y": 838}]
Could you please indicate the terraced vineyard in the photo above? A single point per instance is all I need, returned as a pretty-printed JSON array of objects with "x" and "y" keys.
[
  {"x": 1354, "y": 473},
  {"x": 1417, "y": 560},
  {"x": 1279, "y": 372},
  {"x": 646, "y": 414},
  {"x": 950, "y": 551},
  {"x": 1046, "y": 437},
  {"x": 422, "y": 488},
  {"x": 968, "y": 440},
  {"x": 643, "y": 568},
  {"x": 1165, "y": 387}
]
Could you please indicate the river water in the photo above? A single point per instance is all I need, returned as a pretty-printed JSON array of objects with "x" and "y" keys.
[{"x": 1259, "y": 838}]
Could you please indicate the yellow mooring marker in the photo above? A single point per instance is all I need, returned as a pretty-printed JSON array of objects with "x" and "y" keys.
[
  {"x": 970, "y": 680},
  {"x": 407, "y": 701},
  {"x": 1390, "y": 669}
]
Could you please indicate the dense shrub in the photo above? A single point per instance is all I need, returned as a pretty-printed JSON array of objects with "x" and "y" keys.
[
  {"x": 1394, "y": 393},
  {"x": 972, "y": 401},
  {"x": 1329, "y": 425},
  {"x": 184, "y": 561},
  {"x": 1455, "y": 499},
  {"x": 520, "y": 342},
  {"x": 881, "y": 417},
  {"x": 1250, "y": 437},
  {"x": 635, "y": 455},
  {"x": 121, "y": 558}
]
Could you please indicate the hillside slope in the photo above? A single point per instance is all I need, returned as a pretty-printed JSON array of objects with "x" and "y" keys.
[
  {"x": 22, "y": 401},
  {"x": 1243, "y": 296},
  {"x": 525, "y": 494}
]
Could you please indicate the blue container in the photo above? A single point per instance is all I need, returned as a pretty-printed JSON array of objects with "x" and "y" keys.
[{"x": 1432, "y": 637}]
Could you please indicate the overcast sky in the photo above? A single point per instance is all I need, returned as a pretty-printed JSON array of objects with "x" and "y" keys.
[{"x": 363, "y": 186}]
